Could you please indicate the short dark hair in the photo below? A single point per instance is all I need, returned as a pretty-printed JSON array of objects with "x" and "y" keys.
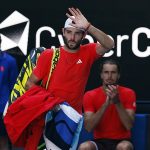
[{"x": 110, "y": 61}]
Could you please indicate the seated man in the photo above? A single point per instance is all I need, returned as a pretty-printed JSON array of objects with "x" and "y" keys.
[{"x": 109, "y": 112}]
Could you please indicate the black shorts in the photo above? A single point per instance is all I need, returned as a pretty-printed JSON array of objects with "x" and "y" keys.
[
  {"x": 108, "y": 144},
  {"x": 2, "y": 126}
]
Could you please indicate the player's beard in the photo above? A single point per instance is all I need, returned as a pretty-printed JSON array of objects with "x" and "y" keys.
[{"x": 73, "y": 48}]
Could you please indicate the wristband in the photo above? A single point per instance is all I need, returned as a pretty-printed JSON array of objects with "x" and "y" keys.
[{"x": 88, "y": 27}]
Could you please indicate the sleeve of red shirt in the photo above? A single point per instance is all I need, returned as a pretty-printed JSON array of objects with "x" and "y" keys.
[
  {"x": 130, "y": 100},
  {"x": 92, "y": 49},
  {"x": 88, "y": 103},
  {"x": 43, "y": 64}
]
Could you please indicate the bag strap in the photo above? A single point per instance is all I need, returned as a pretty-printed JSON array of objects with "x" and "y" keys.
[{"x": 54, "y": 61}]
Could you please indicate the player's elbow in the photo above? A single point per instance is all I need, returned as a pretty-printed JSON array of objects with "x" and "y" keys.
[{"x": 110, "y": 46}]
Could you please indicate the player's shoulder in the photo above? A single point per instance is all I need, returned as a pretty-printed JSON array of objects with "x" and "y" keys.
[
  {"x": 47, "y": 52},
  {"x": 93, "y": 92},
  {"x": 126, "y": 89},
  {"x": 88, "y": 46}
]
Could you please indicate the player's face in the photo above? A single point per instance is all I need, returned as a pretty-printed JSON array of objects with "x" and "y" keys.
[
  {"x": 109, "y": 74},
  {"x": 72, "y": 38}
]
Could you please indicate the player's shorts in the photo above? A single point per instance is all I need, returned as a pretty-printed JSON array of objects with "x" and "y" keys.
[{"x": 107, "y": 144}]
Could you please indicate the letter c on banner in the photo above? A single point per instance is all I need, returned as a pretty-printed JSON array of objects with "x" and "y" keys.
[
  {"x": 135, "y": 41},
  {"x": 40, "y": 30}
]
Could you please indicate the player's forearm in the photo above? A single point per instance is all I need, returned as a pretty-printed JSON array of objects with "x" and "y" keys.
[
  {"x": 29, "y": 84},
  {"x": 92, "y": 121},
  {"x": 33, "y": 80},
  {"x": 126, "y": 119},
  {"x": 101, "y": 37}
]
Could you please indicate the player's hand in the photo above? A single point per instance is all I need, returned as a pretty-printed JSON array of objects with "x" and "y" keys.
[
  {"x": 112, "y": 93},
  {"x": 79, "y": 21}
]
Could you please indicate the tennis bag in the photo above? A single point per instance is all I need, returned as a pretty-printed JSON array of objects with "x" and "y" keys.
[{"x": 25, "y": 73}]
